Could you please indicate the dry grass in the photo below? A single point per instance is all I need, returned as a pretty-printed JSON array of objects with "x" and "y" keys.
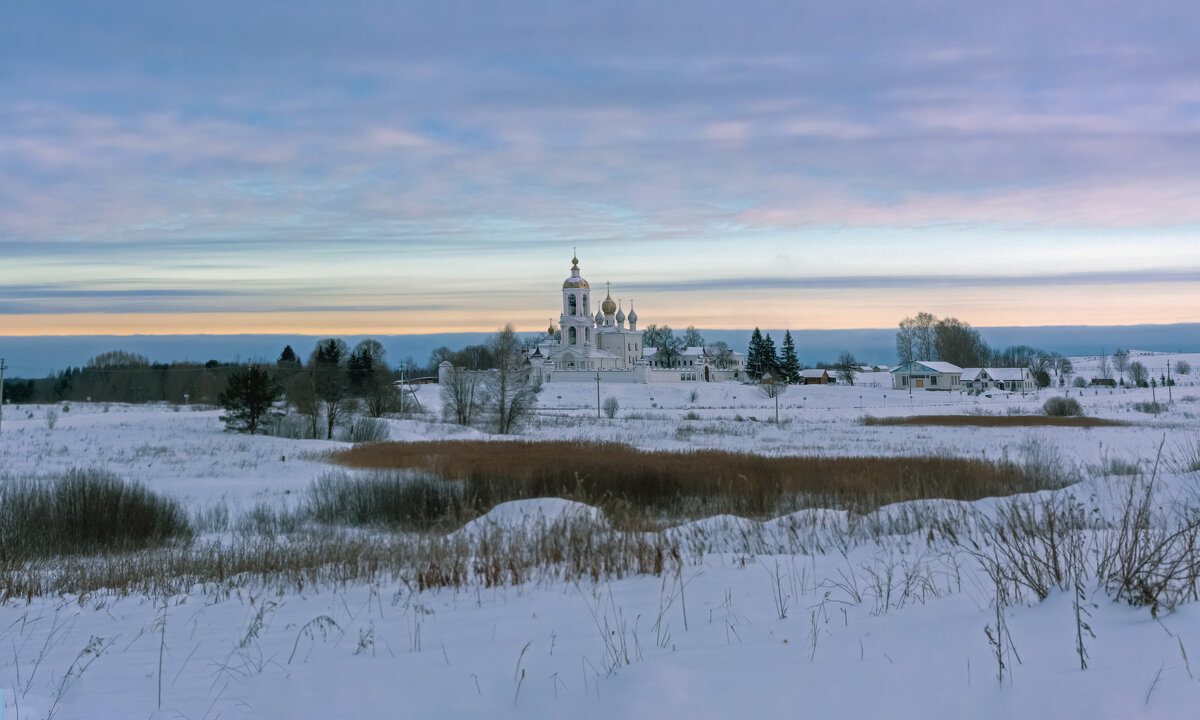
[
  {"x": 640, "y": 486},
  {"x": 567, "y": 550},
  {"x": 994, "y": 421}
]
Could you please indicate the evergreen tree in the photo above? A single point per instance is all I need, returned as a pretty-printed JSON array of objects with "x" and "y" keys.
[
  {"x": 789, "y": 364},
  {"x": 248, "y": 398},
  {"x": 770, "y": 358},
  {"x": 288, "y": 358},
  {"x": 754, "y": 355}
]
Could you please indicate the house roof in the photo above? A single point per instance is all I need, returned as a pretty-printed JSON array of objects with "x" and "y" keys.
[
  {"x": 813, "y": 373},
  {"x": 971, "y": 374},
  {"x": 934, "y": 365},
  {"x": 1009, "y": 374}
]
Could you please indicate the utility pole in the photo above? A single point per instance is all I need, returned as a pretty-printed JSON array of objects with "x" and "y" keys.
[
  {"x": 1170, "y": 395},
  {"x": 2, "y": 368},
  {"x": 597, "y": 394}
]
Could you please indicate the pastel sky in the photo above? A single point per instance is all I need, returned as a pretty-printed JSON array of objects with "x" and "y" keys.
[{"x": 400, "y": 167}]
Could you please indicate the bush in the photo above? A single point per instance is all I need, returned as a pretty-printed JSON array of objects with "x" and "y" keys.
[
  {"x": 365, "y": 430},
  {"x": 610, "y": 407},
  {"x": 1062, "y": 407},
  {"x": 292, "y": 427},
  {"x": 1153, "y": 408},
  {"x": 396, "y": 500},
  {"x": 84, "y": 512},
  {"x": 1079, "y": 382}
]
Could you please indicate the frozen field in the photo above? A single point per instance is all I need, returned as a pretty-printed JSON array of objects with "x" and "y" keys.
[{"x": 889, "y": 624}]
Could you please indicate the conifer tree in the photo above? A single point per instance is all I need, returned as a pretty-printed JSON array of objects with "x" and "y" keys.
[
  {"x": 789, "y": 364},
  {"x": 770, "y": 357},
  {"x": 754, "y": 355}
]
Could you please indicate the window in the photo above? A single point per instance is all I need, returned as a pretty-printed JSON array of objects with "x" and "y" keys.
[
  {"x": 574, "y": 337},
  {"x": 571, "y": 304},
  {"x": 585, "y": 310},
  {"x": 933, "y": 380}
]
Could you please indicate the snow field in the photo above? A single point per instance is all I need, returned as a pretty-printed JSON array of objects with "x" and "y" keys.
[{"x": 813, "y": 613}]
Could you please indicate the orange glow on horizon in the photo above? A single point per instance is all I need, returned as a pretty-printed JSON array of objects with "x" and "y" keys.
[{"x": 794, "y": 309}]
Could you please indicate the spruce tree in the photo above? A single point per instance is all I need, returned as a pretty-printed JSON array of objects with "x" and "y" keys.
[
  {"x": 754, "y": 355},
  {"x": 789, "y": 364},
  {"x": 248, "y": 399},
  {"x": 770, "y": 358}
]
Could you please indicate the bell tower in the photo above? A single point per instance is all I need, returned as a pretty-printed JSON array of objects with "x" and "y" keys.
[{"x": 576, "y": 320}]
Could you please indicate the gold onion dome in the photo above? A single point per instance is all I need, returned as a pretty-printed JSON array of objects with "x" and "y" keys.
[
  {"x": 608, "y": 306},
  {"x": 575, "y": 281}
]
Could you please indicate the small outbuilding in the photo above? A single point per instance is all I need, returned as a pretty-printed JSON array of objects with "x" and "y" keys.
[
  {"x": 814, "y": 376},
  {"x": 927, "y": 375}
]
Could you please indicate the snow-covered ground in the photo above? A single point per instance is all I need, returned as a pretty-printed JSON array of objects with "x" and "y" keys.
[{"x": 731, "y": 634}]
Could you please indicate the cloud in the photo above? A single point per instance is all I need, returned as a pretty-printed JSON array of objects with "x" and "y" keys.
[{"x": 173, "y": 144}]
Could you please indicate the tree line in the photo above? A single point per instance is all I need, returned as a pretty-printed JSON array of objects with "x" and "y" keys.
[{"x": 926, "y": 337}]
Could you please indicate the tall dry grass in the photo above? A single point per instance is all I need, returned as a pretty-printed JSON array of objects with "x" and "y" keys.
[{"x": 634, "y": 484}]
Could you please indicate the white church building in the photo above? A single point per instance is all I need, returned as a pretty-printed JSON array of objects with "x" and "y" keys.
[{"x": 603, "y": 345}]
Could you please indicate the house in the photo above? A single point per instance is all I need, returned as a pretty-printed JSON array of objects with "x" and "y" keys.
[
  {"x": 1010, "y": 379},
  {"x": 816, "y": 376},
  {"x": 927, "y": 375}
]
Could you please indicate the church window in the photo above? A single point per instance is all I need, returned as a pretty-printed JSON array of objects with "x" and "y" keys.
[
  {"x": 571, "y": 304},
  {"x": 574, "y": 337},
  {"x": 585, "y": 310}
]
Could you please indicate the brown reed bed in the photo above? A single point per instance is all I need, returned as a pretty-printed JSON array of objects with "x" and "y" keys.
[
  {"x": 994, "y": 421},
  {"x": 629, "y": 483}
]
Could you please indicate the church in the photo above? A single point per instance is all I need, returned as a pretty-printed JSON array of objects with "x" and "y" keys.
[{"x": 602, "y": 346}]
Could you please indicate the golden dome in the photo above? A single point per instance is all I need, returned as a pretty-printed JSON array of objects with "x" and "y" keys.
[
  {"x": 575, "y": 281},
  {"x": 608, "y": 307}
]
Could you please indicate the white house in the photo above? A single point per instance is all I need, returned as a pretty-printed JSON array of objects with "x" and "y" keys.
[
  {"x": 927, "y": 375},
  {"x": 1010, "y": 379}
]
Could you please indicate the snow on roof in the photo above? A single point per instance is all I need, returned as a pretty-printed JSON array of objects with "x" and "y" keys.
[
  {"x": 970, "y": 374},
  {"x": 813, "y": 373},
  {"x": 1008, "y": 373},
  {"x": 934, "y": 365}
]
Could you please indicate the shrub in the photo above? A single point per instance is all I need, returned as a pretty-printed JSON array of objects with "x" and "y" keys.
[
  {"x": 84, "y": 511},
  {"x": 292, "y": 427},
  {"x": 1153, "y": 408},
  {"x": 691, "y": 415},
  {"x": 365, "y": 430},
  {"x": 1062, "y": 407},
  {"x": 1079, "y": 382},
  {"x": 395, "y": 499},
  {"x": 610, "y": 406}
]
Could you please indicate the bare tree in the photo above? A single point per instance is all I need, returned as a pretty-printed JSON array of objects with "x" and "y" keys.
[
  {"x": 610, "y": 406},
  {"x": 1104, "y": 368},
  {"x": 510, "y": 394},
  {"x": 328, "y": 363},
  {"x": 847, "y": 366},
  {"x": 1182, "y": 367},
  {"x": 302, "y": 394},
  {"x": 773, "y": 387},
  {"x": 722, "y": 356},
  {"x": 461, "y": 395},
  {"x": 1138, "y": 374},
  {"x": 1120, "y": 361}
]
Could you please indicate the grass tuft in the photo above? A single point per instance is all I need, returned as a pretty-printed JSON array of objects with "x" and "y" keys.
[{"x": 82, "y": 512}]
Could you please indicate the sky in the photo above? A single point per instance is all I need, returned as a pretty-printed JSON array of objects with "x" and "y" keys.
[{"x": 380, "y": 167}]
